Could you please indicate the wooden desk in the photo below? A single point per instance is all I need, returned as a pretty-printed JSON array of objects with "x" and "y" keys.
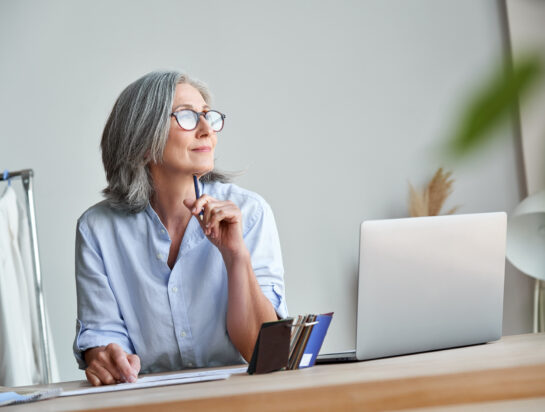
[{"x": 510, "y": 371}]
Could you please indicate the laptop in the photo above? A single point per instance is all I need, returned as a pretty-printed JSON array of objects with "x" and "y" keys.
[{"x": 428, "y": 283}]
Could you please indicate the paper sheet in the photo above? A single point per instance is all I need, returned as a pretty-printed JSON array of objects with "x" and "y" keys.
[
  {"x": 12, "y": 397},
  {"x": 163, "y": 380},
  {"x": 197, "y": 373}
]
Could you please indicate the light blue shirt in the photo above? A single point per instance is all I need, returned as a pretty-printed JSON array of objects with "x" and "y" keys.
[{"x": 172, "y": 319}]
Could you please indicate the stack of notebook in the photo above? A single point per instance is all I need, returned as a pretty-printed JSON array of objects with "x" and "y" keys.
[{"x": 307, "y": 335}]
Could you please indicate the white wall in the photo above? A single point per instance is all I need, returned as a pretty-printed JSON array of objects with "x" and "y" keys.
[{"x": 332, "y": 107}]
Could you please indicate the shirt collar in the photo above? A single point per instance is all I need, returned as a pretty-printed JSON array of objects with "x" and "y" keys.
[{"x": 193, "y": 233}]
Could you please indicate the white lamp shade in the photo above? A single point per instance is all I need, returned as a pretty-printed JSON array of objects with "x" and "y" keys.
[{"x": 526, "y": 236}]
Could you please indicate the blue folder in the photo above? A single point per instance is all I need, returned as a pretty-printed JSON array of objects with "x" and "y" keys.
[{"x": 315, "y": 340}]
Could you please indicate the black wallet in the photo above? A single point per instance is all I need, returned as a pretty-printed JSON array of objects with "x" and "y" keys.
[{"x": 272, "y": 348}]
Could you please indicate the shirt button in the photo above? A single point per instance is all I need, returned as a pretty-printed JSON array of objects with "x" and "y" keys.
[
  {"x": 174, "y": 289},
  {"x": 182, "y": 334},
  {"x": 159, "y": 256},
  {"x": 190, "y": 364}
]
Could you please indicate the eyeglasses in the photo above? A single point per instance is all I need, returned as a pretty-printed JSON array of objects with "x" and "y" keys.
[{"x": 189, "y": 119}]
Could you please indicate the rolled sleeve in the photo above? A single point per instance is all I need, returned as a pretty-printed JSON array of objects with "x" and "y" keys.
[
  {"x": 277, "y": 299},
  {"x": 263, "y": 243},
  {"x": 87, "y": 339},
  {"x": 99, "y": 320}
]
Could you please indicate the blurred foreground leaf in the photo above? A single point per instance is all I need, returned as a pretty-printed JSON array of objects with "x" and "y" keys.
[{"x": 493, "y": 104}]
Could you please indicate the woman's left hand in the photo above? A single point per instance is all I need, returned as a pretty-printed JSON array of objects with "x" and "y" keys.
[{"x": 221, "y": 223}]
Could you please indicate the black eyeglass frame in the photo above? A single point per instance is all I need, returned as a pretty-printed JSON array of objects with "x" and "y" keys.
[{"x": 199, "y": 114}]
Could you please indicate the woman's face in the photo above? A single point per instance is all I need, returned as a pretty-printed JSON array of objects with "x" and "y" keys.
[{"x": 189, "y": 152}]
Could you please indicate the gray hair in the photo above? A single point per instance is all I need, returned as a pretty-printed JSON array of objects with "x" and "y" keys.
[{"x": 136, "y": 133}]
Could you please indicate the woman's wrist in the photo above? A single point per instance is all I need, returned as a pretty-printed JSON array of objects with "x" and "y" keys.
[{"x": 236, "y": 258}]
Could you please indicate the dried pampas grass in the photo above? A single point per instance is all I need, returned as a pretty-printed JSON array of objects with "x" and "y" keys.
[{"x": 431, "y": 200}]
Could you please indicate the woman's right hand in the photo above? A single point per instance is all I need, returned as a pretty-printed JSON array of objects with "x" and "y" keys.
[{"x": 110, "y": 364}]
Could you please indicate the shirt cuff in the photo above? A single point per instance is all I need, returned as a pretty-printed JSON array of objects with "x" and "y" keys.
[
  {"x": 276, "y": 296},
  {"x": 87, "y": 339}
]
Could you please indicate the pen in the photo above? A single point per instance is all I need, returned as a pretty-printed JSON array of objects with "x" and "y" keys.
[{"x": 197, "y": 192}]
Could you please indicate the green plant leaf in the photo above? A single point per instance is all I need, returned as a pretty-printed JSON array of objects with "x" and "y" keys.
[{"x": 493, "y": 105}]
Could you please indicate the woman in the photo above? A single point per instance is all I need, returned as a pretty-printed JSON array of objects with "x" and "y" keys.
[{"x": 166, "y": 281}]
